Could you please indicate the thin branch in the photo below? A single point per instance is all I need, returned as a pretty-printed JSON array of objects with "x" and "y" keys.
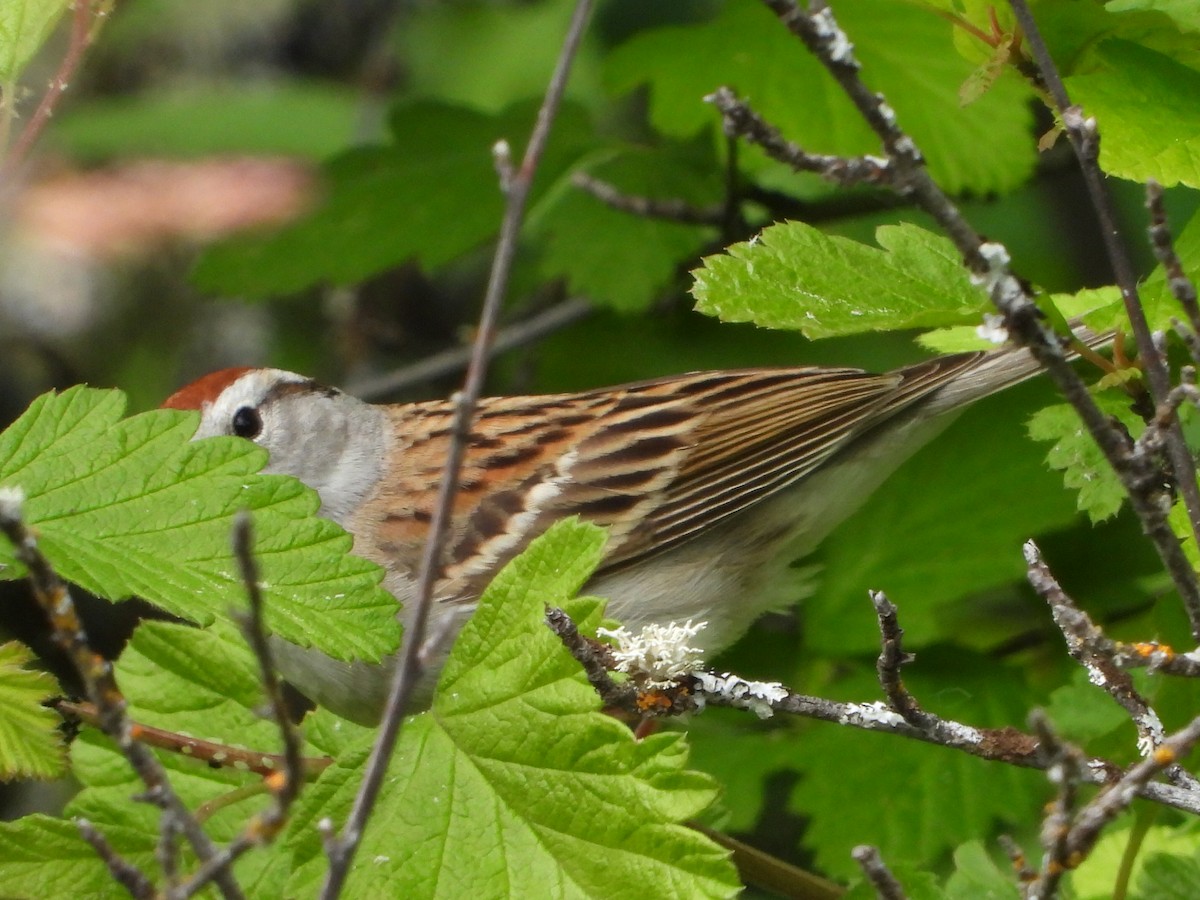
[
  {"x": 891, "y": 658},
  {"x": 1102, "y": 668},
  {"x": 341, "y": 849},
  {"x": 96, "y": 673},
  {"x": 211, "y": 753},
  {"x": 1065, "y": 769},
  {"x": 673, "y": 210},
  {"x": 283, "y": 783},
  {"x": 1085, "y": 140},
  {"x": 122, "y": 870},
  {"x": 456, "y": 359},
  {"x": 881, "y": 878},
  {"x": 86, "y": 19},
  {"x": 1182, "y": 288},
  {"x": 697, "y": 690}
]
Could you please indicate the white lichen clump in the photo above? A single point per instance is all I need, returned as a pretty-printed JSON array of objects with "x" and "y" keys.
[{"x": 659, "y": 653}]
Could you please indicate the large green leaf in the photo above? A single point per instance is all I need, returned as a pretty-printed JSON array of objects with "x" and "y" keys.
[
  {"x": 794, "y": 276},
  {"x": 514, "y": 784},
  {"x": 127, "y": 507},
  {"x": 429, "y": 196},
  {"x": 906, "y": 51}
]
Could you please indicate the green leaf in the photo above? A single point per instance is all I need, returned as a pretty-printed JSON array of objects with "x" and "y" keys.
[
  {"x": 196, "y": 682},
  {"x": 948, "y": 797},
  {"x": 430, "y": 196},
  {"x": 1148, "y": 109},
  {"x": 1096, "y": 876},
  {"x": 1185, "y": 13},
  {"x": 24, "y": 27},
  {"x": 30, "y": 742},
  {"x": 1169, "y": 877},
  {"x": 310, "y": 120},
  {"x": 485, "y": 57},
  {"x": 44, "y": 857},
  {"x": 1076, "y": 455},
  {"x": 977, "y": 877},
  {"x": 132, "y": 507},
  {"x": 940, "y": 528},
  {"x": 956, "y": 339},
  {"x": 905, "y": 51},
  {"x": 618, "y": 258},
  {"x": 514, "y": 784},
  {"x": 1082, "y": 712},
  {"x": 794, "y": 276}
]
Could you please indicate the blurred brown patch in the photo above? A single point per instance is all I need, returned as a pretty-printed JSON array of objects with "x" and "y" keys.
[{"x": 134, "y": 209}]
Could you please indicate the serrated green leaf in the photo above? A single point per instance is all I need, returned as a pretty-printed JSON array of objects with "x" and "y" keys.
[
  {"x": 24, "y": 27},
  {"x": 1076, "y": 455},
  {"x": 1148, "y": 109},
  {"x": 905, "y": 51},
  {"x": 199, "y": 682},
  {"x": 132, "y": 507},
  {"x": 794, "y": 276},
  {"x": 616, "y": 258},
  {"x": 30, "y": 742},
  {"x": 513, "y": 784}
]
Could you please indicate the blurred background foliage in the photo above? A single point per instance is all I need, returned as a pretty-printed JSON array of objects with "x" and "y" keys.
[{"x": 309, "y": 184}]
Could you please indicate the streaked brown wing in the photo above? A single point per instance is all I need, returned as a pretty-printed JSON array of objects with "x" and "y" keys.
[{"x": 656, "y": 462}]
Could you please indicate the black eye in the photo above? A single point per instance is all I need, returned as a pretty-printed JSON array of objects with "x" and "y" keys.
[{"x": 247, "y": 422}]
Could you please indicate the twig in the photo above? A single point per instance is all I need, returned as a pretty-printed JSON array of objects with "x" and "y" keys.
[
  {"x": 1065, "y": 770},
  {"x": 203, "y": 751},
  {"x": 341, "y": 849},
  {"x": 1087, "y": 646},
  {"x": 283, "y": 783},
  {"x": 1085, "y": 140},
  {"x": 167, "y": 851},
  {"x": 97, "y": 676},
  {"x": 696, "y": 690},
  {"x": 881, "y": 878},
  {"x": 673, "y": 210},
  {"x": 1070, "y": 837},
  {"x": 1016, "y": 856},
  {"x": 456, "y": 359},
  {"x": 1182, "y": 288},
  {"x": 85, "y": 22},
  {"x": 891, "y": 658},
  {"x": 988, "y": 263},
  {"x": 596, "y": 660},
  {"x": 122, "y": 870}
]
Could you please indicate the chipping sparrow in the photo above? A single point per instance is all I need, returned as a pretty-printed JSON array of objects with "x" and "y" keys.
[{"x": 710, "y": 484}]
